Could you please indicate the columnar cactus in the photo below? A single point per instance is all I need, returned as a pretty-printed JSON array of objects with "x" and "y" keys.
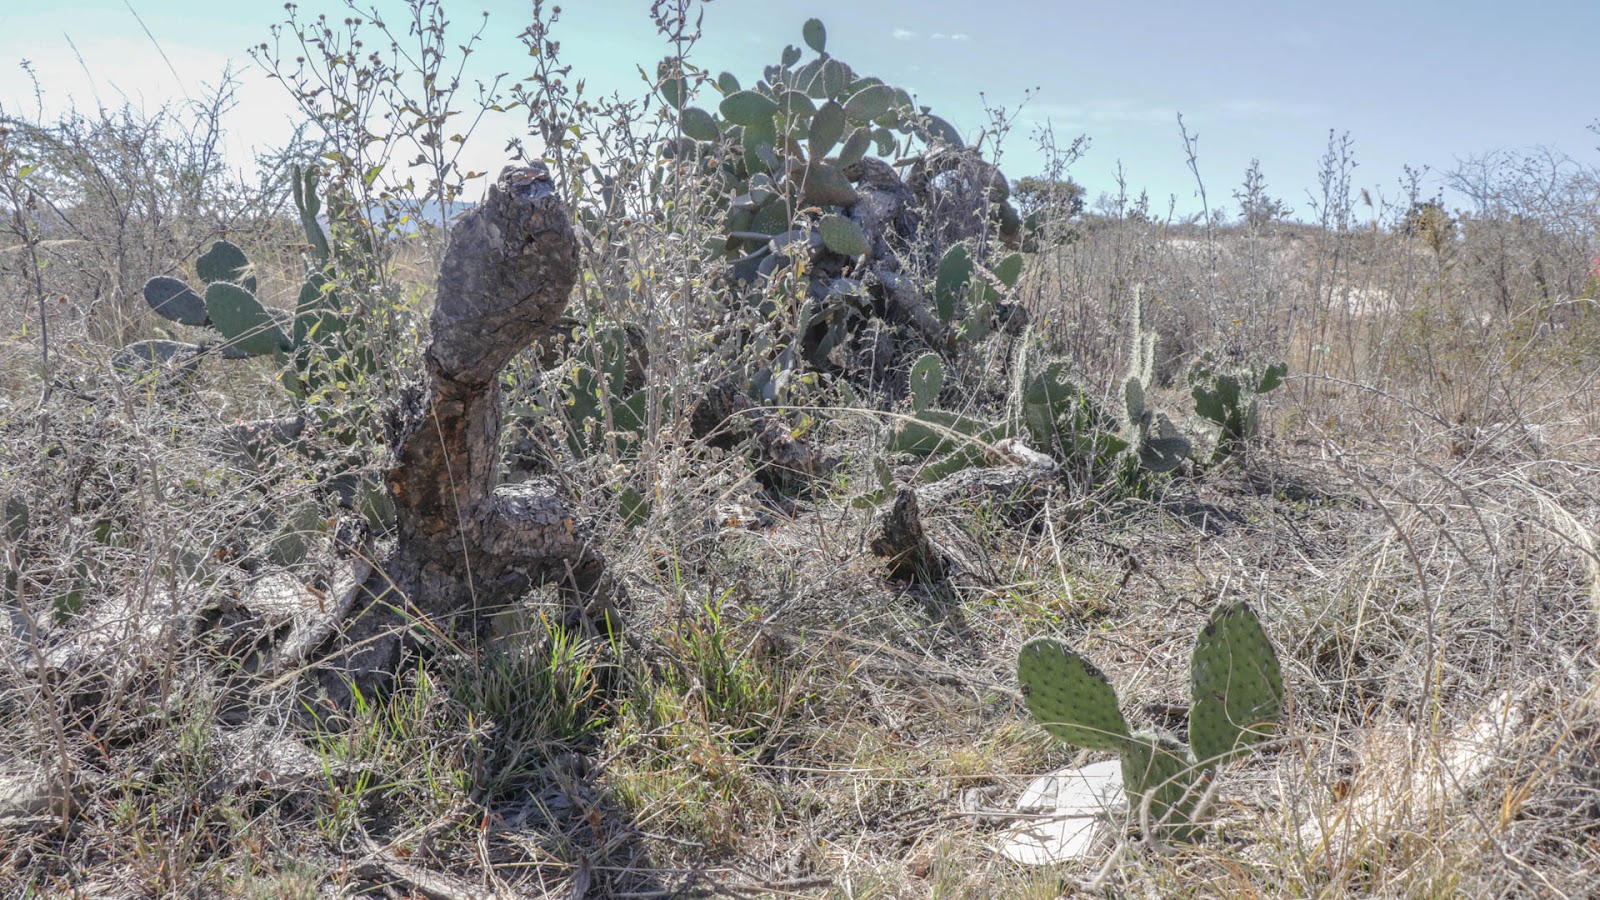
[
  {"x": 1237, "y": 689},
  {"x": 1151, "y": 436}
]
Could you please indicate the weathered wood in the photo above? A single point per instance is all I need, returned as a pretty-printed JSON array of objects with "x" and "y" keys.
[
  {"x": 898, "y": 537},
  {"x": 466, "y": 545}
]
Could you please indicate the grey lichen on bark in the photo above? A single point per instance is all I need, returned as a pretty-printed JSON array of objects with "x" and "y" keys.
[{"x": 465, "y": 545}]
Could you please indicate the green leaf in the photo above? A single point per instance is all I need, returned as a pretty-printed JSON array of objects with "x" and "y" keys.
[
  {"x": 728, "y": 83},
  {"x": 748, "y": 108},
  {"x": 815, "y": 34},
  {"x": 791, "y": 55},
  {"x": 675, "y": 91}
]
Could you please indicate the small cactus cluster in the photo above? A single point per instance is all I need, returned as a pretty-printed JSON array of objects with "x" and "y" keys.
[
  {"x": 1237, "y": 698},
  {"x": 963, "y": 285},
  {"x": 1227, "y": 400},
  {"x": 1050, "y": 407},
  {"x": 314, "y": 338},
  {"x": 1152, "y": 438},
  {"x": 603, "y": 393}
]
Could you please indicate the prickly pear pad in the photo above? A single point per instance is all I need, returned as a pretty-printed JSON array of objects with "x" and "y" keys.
[
  {"x": 1070, "y": 697},
  {"x": 243, "y": 320},
  {"x": 1237, "y": 684}
]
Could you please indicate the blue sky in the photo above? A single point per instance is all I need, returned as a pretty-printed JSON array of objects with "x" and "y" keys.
[{"x": 1419, "y": 83}]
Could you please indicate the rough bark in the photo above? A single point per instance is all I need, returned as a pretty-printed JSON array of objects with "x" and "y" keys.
[
  {"x": 465, "y": 545},
  {"x": 898, "y": 537}
]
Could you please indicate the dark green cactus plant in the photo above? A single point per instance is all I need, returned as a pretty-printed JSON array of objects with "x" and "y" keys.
[
  {"x": 1228, "y": 401},
  {"x": 315, "y": 343},
  {"x": 601, "y": 392},
  {"x": 1048, "y": 406},
  {"x": 925, "y": 381},
  {"x": 1237, "y": 699},
  {"x": 791, "y": 156},
  {"x": 968, "y": 293}
]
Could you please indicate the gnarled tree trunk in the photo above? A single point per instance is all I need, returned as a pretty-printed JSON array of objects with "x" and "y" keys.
[{"x": 467, "y": 546}]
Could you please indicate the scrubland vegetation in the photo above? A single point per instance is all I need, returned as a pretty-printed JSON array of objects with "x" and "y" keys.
[{"x": 838, "y": 415}]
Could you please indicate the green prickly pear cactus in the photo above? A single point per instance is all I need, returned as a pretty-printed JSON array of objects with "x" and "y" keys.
[
  {"x": 1237, "y": 689},
  {"x": 1155, "y": 444},
  {"x": 1236, "y": 682},
  {"x": 228, "y": 303},
  {"x": 240, "y": 317},
  {"x": 787, "y": 154},
  {"x": 1157, "y": 769},
  {"x": 926, "y": 381},
  {"x": 315, "y": 341},
  {"x": 1228, "y": 401}
]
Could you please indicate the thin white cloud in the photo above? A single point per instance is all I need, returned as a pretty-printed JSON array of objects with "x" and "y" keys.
[
  {"x": 901, "y": 34},
  {"x": 951, "y": 37}
]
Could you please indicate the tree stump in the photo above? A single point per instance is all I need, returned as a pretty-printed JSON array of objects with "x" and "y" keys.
[{"x": 466, "y": 545}]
